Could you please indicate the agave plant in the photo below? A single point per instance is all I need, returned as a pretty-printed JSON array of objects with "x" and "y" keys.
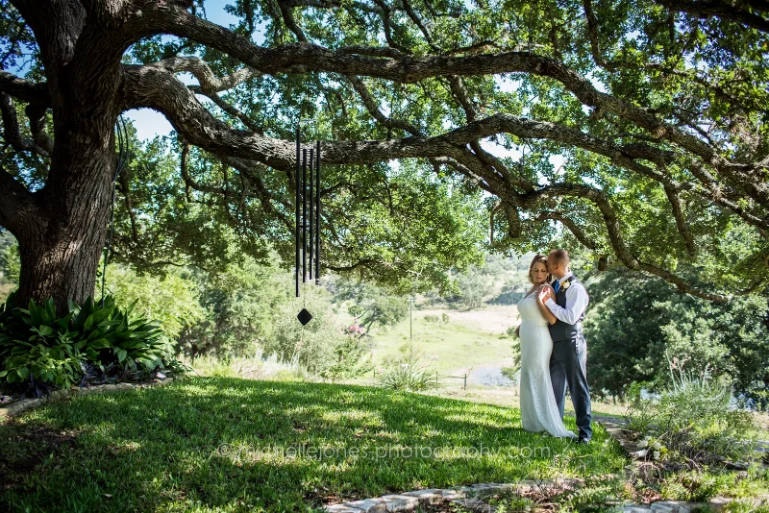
[{"x": 407, "y": 376}]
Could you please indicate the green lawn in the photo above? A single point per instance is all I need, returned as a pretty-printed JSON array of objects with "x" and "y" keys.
[
  {"x": 225, "y": 444},
  {"x": 448, "y": 346}
]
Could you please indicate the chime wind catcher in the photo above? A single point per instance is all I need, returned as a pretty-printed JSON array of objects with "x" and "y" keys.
[{"x": 307, "y": 237}]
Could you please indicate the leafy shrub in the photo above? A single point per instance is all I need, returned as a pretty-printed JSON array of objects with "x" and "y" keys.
[
  {"x": 316, "y": 347},
  {"x": 107, "y": 335},
  {"x": 45, "y": 359},
  {"x": 172, "y": 299},
  {"x": 349, "y": 360},
  {"x": 91, "y": 342},
  {"x": 630, "y": 328},
  {"x": 431, "y": 318},
  {"x": 692, "y": 419},
  {"x": 445, "y": 318}
]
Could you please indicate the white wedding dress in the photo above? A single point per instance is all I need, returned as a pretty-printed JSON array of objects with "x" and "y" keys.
[{"x": 538, "y": 409}]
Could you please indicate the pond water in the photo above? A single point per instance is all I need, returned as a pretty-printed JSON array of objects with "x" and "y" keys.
[{"x": 489, "y": 375}]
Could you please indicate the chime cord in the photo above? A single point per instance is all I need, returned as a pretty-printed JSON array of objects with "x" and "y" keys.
[{"x": 122, "y": 141}]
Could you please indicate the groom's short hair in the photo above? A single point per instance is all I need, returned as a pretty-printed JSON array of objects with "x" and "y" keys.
[{"x": 559, "y": 256}]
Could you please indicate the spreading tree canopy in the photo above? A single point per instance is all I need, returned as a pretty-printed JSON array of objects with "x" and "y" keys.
[{"x": 638, "y": 127}]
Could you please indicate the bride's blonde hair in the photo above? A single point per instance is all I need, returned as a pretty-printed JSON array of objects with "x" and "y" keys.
[{"x": 541, "y": 259}]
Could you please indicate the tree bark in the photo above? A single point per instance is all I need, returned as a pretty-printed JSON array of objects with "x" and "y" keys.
[
  {"x": 64, "y": 227},
  {"x": 60, "y": 252},
  {"x": 63, "y": 267}
]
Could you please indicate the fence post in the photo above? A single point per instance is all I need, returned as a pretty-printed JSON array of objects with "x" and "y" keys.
[{"x": 464, "y": 387}]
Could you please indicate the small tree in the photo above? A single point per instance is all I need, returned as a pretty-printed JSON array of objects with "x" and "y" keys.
[
  {"x": 474, "y": 287},
  {"x": 370, "y": 304},
  {"x": 349, "y": 358}
]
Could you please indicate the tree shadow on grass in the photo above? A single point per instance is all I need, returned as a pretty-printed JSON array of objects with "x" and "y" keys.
[{"x": 222, "y": 444}]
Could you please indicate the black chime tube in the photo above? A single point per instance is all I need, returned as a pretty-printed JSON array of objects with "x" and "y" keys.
[
  {"x": 296, "y": 238},
  {"x": 312, "y": 200},
  {"x": 317, "y": 214},
  {"x": 304, "y": 215}
]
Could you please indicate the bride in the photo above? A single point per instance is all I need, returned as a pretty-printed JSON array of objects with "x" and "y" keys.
[{"x": 539, "y": 411}]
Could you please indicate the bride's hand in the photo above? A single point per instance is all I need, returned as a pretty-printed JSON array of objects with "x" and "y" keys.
[{"x": 545, "y": 292}]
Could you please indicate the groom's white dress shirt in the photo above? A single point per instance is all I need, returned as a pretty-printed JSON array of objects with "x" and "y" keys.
[{"x": 576, "y": 302}]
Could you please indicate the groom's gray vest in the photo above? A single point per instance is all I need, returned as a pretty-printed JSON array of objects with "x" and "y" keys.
[{"x": 560, "y": 330}]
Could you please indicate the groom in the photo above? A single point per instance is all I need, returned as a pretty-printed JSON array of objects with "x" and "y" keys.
[{"x": 568, "y": 362}]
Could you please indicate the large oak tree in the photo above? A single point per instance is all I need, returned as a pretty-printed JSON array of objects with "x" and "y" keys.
[{"x": 639, "y": 127}]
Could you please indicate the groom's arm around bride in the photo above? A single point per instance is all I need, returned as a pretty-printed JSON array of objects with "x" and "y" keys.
[{"x": 568, "y": 300}]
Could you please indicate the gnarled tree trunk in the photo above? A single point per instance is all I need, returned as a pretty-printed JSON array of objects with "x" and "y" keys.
[
  {"x": 60, "y": 252},
  {"x": 61, "y": 228}
]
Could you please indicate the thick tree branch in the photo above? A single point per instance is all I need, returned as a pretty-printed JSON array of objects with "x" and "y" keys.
[
  {"x": 573, "y": 227},
  {"x": 24, "y": 90},
  {"x": 150, "y": 87},
  {"x": 18, "y": 210},
  {"x": 209, "y": 83},
  {"x": 11, "y": 130},
  {"x": 303, "y": 58},
  {"x": 611, "y": 221},
  {"x": 731, "y": 11}
]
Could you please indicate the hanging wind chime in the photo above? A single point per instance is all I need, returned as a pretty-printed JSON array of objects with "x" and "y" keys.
[{"x": 307, "y": 237}]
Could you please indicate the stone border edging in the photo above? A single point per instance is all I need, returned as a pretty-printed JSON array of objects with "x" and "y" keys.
[
  {"x": 473, "y": 495},
  {"x": 408, "y": 501},
  {"x": 17, "y": 407}
]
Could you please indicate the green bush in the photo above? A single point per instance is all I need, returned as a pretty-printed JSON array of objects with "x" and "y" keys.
[
  {"x": 693, "y": 421},
  {"x": 349, "y": 360},
  {"x": 40, "y": 350},
  {"x": 316, "y": 347},
  {"x": 172, "y": 300},
  {"x": 45, "y": 359},
  {"x": 629, "y": 329},
  {"x": 108, "y": 335}
]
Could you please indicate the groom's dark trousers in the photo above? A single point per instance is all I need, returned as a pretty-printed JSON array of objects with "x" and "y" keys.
[{"x": 568, "y": 366}]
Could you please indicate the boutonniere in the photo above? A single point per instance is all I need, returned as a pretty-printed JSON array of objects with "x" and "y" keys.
[{"x": 565, "y": 285}]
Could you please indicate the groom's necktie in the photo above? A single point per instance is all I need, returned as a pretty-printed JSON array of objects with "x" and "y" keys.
[{"x": 557, "y": 286}]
